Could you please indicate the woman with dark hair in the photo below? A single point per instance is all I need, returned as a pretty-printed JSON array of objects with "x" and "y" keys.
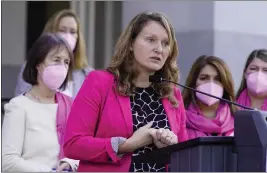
[
  {"x": 207, "y": 116},
  {"x": 253, "y": 89},
  {"x": 125, "y": 115},
  {"x": 34, "y": 124}
]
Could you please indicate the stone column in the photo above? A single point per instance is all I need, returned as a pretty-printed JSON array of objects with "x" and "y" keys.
[{"x": 101, "y": 25}]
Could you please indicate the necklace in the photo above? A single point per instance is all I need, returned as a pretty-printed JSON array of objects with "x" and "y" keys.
[{"x": 35, "y": 97}]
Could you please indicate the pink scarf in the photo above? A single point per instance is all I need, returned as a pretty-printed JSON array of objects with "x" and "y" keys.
[
  {"x": 64, "y": 105},
  {"x": 199, "y": 126},
  {"x": 244, "y": 100}
]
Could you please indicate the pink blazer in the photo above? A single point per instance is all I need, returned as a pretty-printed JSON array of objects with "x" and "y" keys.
[{"x": 96, "y": 153}]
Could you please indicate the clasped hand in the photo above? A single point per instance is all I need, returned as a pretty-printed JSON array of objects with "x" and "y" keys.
[
  {"x": 146, "y": 135},
  {"x": 163, "y": 137}
]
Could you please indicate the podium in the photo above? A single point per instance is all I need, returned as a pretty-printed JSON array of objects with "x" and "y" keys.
[{"x": 245, "y": 152}]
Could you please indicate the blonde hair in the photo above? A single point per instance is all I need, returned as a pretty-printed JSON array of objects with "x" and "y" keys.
[
  {"x": 223, "y": 72},
  {"x": 122, "y": 61},
  {"x": 80, "y": 59}
]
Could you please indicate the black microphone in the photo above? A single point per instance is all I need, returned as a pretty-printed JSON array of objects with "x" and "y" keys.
[{"x": 159, "y": 79}]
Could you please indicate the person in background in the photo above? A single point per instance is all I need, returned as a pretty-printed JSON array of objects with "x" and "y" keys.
[
  {"x": 253, "y": 89},
  {"x": 35, "y": 121},
  {"x": 66, "y": 23},
  {"x": 207, "y": 116},
  {"x": 115, "y": 120}
]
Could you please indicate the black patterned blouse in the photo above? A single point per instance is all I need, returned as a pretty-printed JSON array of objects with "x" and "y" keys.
[{"x": 146, "y": 106}]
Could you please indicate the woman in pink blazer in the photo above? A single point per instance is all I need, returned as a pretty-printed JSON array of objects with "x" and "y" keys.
[{"x": 118, "y": 114}]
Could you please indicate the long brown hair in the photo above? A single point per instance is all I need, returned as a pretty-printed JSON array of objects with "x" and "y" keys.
[
  {"x": 223, "y": 72},
  {"x": 262, "y": 55},
  {"x": 80, "y": 59},
  {"x": 122, "y": 61}
]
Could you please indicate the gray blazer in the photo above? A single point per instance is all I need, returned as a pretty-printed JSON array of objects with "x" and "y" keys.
[{"x": 78, "y": 77}]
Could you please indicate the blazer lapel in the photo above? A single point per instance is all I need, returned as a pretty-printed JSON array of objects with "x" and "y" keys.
[
  {"x": 127, "y": 113},
  {"x": 171, "y": 114}
]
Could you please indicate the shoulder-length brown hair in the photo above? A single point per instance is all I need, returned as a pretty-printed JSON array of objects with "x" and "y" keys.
[
  {"x": 224, "y": 75},
  {"x": 80, "y": 59},
  {"x": 262, "y": 55},
  {"x": 122, "y": 61}
]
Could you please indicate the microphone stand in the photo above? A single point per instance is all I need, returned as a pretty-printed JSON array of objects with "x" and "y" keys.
[{"x": 225, "y": 100}]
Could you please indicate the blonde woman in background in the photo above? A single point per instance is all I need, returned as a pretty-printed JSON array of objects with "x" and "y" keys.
[{"x": 66, "y": 23}]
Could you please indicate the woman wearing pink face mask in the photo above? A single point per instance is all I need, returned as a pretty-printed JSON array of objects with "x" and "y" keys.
[
  {"x": 34, "y": 124},
  {"x": 253, "y": 89},
  {"x": 67, "y": 25},
  {"x": 207, "y": 116}
]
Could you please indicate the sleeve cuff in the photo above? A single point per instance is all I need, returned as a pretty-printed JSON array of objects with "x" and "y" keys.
[
  {"x": 111, "y": 149},
  {"x": 116, "y": 142}
]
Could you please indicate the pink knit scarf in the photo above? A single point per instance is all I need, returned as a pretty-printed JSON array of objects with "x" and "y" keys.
[{"x": 198, "y": 125}]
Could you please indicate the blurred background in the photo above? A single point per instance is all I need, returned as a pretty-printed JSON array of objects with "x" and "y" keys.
[{"x": 227, "y": 29}]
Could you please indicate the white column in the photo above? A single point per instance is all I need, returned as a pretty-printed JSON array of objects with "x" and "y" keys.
[
  {"x": 86, "y": 12},
  {"x": 90, "y": 22},
  {"x": 109, "y": 16},
  {"x": 74, "y": 5},
  {"x": 81, "y": 6}
]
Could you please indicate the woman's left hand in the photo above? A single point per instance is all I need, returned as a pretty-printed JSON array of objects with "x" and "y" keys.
[
  {"x": 163, "y": 137},
  {"x": 62, "y": 166}
]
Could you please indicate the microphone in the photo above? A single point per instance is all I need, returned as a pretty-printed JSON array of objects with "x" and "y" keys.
[{"x": 159, "y": 79}]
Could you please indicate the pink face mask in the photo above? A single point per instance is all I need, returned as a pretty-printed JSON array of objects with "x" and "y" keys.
[
  {"x": 257, "y": 82},
  {"x": 70, "y": 39},
  {"x": 209, "y": 88},
  {"x": 54, "y": 75}
]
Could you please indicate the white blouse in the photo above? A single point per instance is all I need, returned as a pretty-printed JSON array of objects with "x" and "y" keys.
[{"x": 29, "y": 137}]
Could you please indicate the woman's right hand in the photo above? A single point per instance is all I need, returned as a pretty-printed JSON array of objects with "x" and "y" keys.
[
  {"x": 140, "y": 138},
  {"x": 163, "y": 137}
]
